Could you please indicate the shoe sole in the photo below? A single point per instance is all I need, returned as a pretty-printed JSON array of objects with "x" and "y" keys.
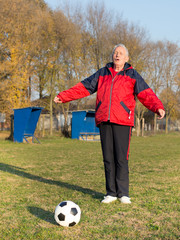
[{"x": 108, "y": 202}]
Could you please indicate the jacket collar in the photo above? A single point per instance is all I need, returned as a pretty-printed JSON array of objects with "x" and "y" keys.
[{"x": 126, "y": 66}]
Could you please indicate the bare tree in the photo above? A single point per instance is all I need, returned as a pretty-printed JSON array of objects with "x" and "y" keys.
[
  {"x": 99, "y": 25},
  {"x": 154, "y": 69},
  {"x": 170, "y": 94}
]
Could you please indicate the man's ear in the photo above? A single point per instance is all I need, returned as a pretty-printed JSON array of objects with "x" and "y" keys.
[{"x": 127, "y": 58}]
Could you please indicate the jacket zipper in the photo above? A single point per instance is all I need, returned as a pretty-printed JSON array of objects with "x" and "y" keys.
[{"x": 111, "y": 95}]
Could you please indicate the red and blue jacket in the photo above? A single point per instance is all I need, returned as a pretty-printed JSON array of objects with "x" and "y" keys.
[{"x": 115, "y": 100}]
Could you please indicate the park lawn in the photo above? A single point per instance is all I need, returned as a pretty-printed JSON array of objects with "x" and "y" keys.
[{"x": 36, "y": 177}]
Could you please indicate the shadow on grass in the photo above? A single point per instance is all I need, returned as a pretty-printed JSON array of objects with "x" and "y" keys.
[
  {"x": 42, "y": 214},
  {"x": 18, "y": 171}
]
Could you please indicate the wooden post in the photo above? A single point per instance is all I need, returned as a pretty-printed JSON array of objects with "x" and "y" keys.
[{"x": 43, "y": 130}]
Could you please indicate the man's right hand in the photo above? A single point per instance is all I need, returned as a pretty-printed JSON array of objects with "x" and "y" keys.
[{"x": 57, "y": 100}]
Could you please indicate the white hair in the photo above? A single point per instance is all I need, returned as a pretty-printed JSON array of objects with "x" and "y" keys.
[{"x": 120, "y": 45}]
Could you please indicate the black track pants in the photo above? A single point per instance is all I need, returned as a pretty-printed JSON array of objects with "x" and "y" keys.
[{"x": 115, "y": 140}]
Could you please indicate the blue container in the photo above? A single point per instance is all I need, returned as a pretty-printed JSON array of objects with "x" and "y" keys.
[
  {"x": 83, "y": 123},
  {"x": 25, "y": 121}
]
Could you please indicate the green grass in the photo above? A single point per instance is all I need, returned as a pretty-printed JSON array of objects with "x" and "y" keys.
[{"x": 36, "y": 177}]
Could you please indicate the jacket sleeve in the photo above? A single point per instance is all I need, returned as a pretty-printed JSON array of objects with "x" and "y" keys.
[
  {"x": 80, "y": 90},
  {"x": 74, "y": 93},
  {"x": 146, "y": 95}
]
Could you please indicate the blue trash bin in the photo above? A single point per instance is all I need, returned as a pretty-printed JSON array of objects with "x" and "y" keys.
[
  {"x": 83, "y": 125},
  {"x": 25, "y": 121}
]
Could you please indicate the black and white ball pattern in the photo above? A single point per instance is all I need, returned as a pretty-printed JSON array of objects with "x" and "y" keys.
[{"x": 67, "y": 214}]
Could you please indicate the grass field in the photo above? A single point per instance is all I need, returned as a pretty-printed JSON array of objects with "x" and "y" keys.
[{"x": 36, "y": 177}]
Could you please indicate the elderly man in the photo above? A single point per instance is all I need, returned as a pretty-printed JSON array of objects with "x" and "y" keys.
[{"x": 116, "y": 85}]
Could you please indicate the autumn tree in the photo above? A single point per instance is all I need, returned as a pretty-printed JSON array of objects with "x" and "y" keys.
[
  {"x": 18, "y": 36},
  {"x": 13, "y": 71}
]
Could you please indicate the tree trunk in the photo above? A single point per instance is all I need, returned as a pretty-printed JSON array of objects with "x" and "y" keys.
[
  {"x": 51, "y": 115},
  {"x": 40, "y": 88},
  {"x": 167, "y": 119},
  {"x": 65, "y": 128},
  {"x": 143, "y": 127},
  {"x": 11, "y": 137},
  {"x": 138, "y": 127},
  {"x": 30, "y": 91}
]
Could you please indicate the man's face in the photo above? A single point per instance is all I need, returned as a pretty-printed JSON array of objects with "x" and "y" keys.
[{"x": 120, "y": 57}]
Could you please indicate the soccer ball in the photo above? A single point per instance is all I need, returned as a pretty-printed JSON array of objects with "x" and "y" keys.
[{"x": 67, "y": 214}]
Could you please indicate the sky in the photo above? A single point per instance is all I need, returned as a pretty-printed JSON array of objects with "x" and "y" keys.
[{"x": 160, "y": 18}]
